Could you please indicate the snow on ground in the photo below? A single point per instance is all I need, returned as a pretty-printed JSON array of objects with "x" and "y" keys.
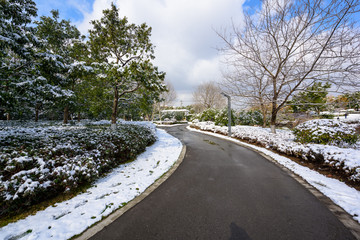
[
  {"x": 344, "y": 196},
  {"x": 350, "y": 118},
  {"x": 124, "y": 183}
]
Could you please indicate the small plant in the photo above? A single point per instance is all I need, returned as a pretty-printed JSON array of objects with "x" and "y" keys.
[
  {"x": 179, "y": 116},
  {"x": 325, "y": 131},
  {"x": 327, "y": 116},
  {"x": 221, "y": 118},
  {"x": 209, "y": 115},
  {"x": 250, "y": 118}
]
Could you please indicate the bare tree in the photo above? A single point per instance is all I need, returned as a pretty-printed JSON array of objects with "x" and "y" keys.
[
  {"x": 166, "y": 98},
  {"x": 291, "y": 44},
  {"x": 207, "y": 95},
  {"x": 248, "y": 84}
]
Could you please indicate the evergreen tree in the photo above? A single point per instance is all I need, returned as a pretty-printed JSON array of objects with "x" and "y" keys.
[
  {"x": 17, "y": 43},
  {"x": 61, "y": 63},
  {"x": 353, "y": 100},
  {"x": 122, "y": 54},
  {"x": 313, "y": 98}
]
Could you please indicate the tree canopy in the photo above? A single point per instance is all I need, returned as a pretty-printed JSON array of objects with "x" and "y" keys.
[
  {"x": 48, "y": 67},
  {"x": 122, "y": 54}
]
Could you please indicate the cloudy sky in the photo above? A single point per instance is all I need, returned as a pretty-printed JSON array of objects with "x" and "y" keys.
[{"x": 183, "y": 32}]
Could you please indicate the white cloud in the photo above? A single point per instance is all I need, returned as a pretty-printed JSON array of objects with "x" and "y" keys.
[{"x": 182, "y": 32}]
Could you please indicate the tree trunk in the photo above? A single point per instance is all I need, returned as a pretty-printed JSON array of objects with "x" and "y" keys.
[
  {"x": 115, "y": 106},
  {"x": 78, "y": 117},
  {"x": 66, "y": 114},
  {"x": 36, "y": 114},
  {"x": 273, "y": 118},
  {"x": 37, "y": 110},
  {"x": 263, "y": 112},
  {"x": 264, "y": 120},
  {"x": 8, "y": 116}
]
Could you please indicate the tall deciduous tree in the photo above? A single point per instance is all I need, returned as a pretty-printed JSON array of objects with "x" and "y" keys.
[
  {"x": 207, "y": 95},
  {"x": 295, "y": 43},
  {"x": 123, "y": 52},
  {"x": 167, "y": 97},
  {"x": 249, "y": 86}
]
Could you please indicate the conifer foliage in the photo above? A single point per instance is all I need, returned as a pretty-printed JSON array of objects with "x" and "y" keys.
[
  {"x": 123, "y": 54},
  {"x": 47, "y": 69},
  {"x": 17, "y": 41}
]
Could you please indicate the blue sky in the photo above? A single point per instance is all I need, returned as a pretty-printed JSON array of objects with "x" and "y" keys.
[
  {"x": 182, "y": 32},
  {"x": 67, "y": 9}
]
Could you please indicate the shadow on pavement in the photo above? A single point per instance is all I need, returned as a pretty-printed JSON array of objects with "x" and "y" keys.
[{"x": 237, "y": 233}]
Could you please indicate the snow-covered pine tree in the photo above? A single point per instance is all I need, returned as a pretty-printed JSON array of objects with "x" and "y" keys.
[
  {"x": 122, "y": 54},
  {"x": 17, "y": 41},
  {"x": 61, "y": 62}
]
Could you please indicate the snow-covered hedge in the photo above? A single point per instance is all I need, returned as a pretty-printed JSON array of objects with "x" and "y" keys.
[
  {"x": 344, "y": 160},
  {"x": 38, "y": 161},
  {"x": 326, "y": 131}
]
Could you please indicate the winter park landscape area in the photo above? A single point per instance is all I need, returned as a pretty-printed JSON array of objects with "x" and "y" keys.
[
  {"x": 235, "y": 118},
  {"x": 69, "y": 163}
]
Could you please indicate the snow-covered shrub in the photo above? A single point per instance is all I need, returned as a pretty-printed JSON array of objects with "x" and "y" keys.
[
  {"x": 209, "y": 115},
  {"x": 250, "y": 118},
  {"x": 168, "y": 116},
  {"x": 325, "y": 131},
  {"x": 179, "y": 116},
  {"x": 221, "y": 119},
  {"x": 38, "y": 162}
]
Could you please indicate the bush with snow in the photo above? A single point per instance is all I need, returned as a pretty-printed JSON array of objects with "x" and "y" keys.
[
  {"x": 325, "y": 131},
  {"x": 40, "y": 161},
  {"x": 250, "y": 118},
  {"x": 221, "y": 119},
  {"x": 209, "y": 114}
]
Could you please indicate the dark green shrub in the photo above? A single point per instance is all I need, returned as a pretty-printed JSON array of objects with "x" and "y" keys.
[
  {"x": 221, "y": 118},
  {"x": 250, "y": 118},
  {"x": 327, "y": 116},
  {"x": 179, "y": 116},
  {"x": 209, "y": 115}
]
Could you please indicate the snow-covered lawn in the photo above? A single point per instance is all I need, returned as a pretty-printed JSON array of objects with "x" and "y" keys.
[
  {"x": 68, "y": 218},
  {"x": 350, "y": 118},
  {"x": 346, "y": 197}
]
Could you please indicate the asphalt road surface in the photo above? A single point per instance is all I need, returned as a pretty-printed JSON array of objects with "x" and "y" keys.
[{"x": 225, "y": 191}]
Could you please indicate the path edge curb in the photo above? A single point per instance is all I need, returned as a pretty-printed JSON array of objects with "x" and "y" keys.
[
  {"x": 91, "y": 231},
  {"x": 343, "y": 216}
]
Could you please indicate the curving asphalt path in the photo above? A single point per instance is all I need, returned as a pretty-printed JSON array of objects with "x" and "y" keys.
[{"x": 225, "y": 191}]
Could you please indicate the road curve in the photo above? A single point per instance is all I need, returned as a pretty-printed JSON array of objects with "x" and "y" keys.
[{"x": 225, "y": 191}]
